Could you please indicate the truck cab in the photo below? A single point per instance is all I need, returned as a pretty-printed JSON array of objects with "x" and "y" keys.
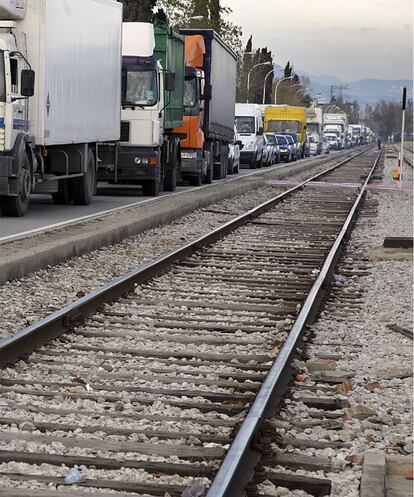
[
  {"x": 283, "y": 119},
  {"x": 249, "y": 125},
  {"x": 195, "y": 161},
  {"x": 152, "y": 90}
]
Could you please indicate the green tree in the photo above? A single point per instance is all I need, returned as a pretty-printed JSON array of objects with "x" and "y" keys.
[
  {"x": 215, "y": 16},
  {"x": 138, "y": 10}
]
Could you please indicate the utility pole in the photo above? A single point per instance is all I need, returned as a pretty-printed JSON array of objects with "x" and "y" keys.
[{"x": 400, "y": 162}]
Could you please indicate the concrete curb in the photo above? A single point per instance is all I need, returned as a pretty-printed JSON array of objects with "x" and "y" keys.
[
  {"x": 23, "y": 257},
  {"x": 373, "y": 475}
]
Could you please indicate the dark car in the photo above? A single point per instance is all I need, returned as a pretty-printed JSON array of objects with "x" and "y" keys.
[
  {"x": 284, "y": 148},
  {"x": 275, "y": 147},
  {"x": 298, "y": 145}
]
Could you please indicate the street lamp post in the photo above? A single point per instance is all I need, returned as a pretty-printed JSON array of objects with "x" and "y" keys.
[
  {"x": 277, "y": 86},
  {"x": 248, "y": 76},
  {"x": 264, "y": 85}
]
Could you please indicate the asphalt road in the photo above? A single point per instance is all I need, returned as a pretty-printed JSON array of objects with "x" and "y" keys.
[{"x": 42, "y": 212}]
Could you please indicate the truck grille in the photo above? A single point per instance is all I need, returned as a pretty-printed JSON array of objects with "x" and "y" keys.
[{"x": 124, "y": 131}]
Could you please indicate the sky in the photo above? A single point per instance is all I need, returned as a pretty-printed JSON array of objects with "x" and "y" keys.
[{"x": 349, "y": 39}]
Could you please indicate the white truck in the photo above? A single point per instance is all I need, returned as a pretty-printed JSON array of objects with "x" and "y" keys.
[
  {"x": 152, "y": 100},
  {"x": 249, "y": 125},
  {"x": 314, "y": 127},
  {"x": 335, "y": 127},
  {"x": 60, "y": 92}
]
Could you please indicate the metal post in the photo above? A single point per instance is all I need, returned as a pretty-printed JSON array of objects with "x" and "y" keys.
[
  {"x": 400, "y": 164},
  {"x": 248, "y": 76},
  {"x": 264, "y": 85},
  {"x": 277, "y": 86}
]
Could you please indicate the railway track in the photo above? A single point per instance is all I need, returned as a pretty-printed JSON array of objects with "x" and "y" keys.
[
  {"x": 407, "y": 151},
  {"x": 159, "y": 380}
]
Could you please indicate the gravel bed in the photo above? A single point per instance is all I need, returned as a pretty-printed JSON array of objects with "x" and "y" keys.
[
  {"x": 380, "y": 358},
  {"x": 26, "y": 300}
]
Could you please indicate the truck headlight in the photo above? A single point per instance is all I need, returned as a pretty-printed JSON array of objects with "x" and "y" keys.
[
  {"x": 250, "y": 146},
  {"x": 137, "y": 160},
  {"x": 144, "y": 161}
]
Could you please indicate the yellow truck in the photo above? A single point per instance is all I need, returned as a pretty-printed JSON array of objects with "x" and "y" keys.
[{"x": 284, "y": 119}]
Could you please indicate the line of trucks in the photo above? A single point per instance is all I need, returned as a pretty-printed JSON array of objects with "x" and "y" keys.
[
  {"x": 334, "y": 130},
  {"x": 87, "y": 98}
]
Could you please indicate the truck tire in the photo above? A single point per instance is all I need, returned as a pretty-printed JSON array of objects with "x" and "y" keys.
[
  {"x": 151, "y": 188},
  {"x": 230, "y": 166},
  {"x": 196, "y": 180},
  {"x": 64, "y": 195},
  {"x": 83, "y": 188},
  {"x": 208, "y": 157},
  {"x": 170, "y": 179},
  {"x": 17, "y": 206}
]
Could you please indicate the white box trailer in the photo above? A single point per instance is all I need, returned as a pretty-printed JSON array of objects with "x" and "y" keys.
[
  {"x": 74, "y": 49},
  {"x": 77, "y": 63}
]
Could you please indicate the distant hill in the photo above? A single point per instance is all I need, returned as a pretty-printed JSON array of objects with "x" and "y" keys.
[{"x": 365, "y": 91}]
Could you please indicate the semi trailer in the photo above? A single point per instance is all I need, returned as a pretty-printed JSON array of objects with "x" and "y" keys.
[
  {"x": 195, "y": 160},
  {"x": 152, "y": 106},
  {"x": 60, "y": 89},
  {"x": 219, "y": 65}
]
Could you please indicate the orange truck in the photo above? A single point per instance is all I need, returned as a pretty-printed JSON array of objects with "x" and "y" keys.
[{"x": 193, "y": 164}]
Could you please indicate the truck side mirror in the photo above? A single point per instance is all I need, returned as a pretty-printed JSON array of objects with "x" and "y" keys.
[
  {"x": 208, "y": 91},
  {"x": 27, "y": 79},
  {"x": 170, "y": 81},
  {"x": 260, "y": 132}
]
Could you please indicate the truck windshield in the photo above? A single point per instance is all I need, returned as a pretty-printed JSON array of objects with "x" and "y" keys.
[
  {"x": 190, "y": 92},
  {"x": 139, "y": 85},
  {"x": 312, "y": 127},
  {"x": 284, "y": 126},
  {"x": 245, "y": 125},
  {"x": 2, "y": 78}
]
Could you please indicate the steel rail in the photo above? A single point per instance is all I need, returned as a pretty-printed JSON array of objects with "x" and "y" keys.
[
  {"x": 237, "y": 467},
  {"x": 73, "y": 314},
  {"x": 107, "y": 212}
]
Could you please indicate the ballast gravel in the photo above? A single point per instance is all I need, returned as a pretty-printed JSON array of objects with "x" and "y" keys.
[
  {"x": 26, "y": 300},
  {"x": 380, "y": 415}
]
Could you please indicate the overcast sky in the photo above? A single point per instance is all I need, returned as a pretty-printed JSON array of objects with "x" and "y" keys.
[{"x": 350, "y": 39}]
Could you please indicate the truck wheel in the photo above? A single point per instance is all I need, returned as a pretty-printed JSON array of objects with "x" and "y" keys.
[
  {"x": 151, "y": 188},
  {"x": 208, "y": 157},
  {"x": 230, "y": 167},
  {"x": 196, "y": 180},
  {"x": 170, "y": 179},
  {"x": 83, "y": 188},
  {"x": 64, "y": 195},
  {"x": 17, "y": 206}
]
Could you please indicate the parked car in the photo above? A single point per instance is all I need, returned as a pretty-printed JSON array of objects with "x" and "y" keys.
[
  {"x": 276, "y": 152},
  {"x": 293, "y": 148},
  {"x": 267, "y": 159},
  {"x": 249, "y": 125},
  {"x": 325, "y": 146},
  {"x": 315, "y": 145},
  {"x": 297, "y": 143},
  {"x": 284, "y": 148},
  {"x": 234, "y": 154}
]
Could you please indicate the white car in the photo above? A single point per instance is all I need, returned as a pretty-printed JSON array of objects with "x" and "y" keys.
[{"x": 325, "y": 146}]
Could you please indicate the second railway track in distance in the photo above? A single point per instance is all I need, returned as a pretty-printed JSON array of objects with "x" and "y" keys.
[{"x": 160, "y": 387}]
